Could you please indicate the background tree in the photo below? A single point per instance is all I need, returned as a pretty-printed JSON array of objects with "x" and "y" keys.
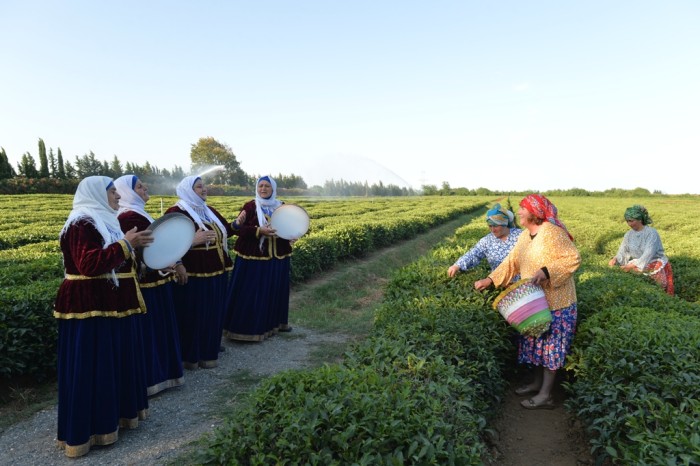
[
  {"x": 52, "y": 163},
  {"x": 88, "y": 165},
  {"x": 43, "y": 161},
  {"x": 69, "y": 171},
  {"x": 27, "y": 166},
  {"x": 209, "y": 152},
  {"x": 116, "y": 167},
  {"x": 429, "y": 189},
  {"x": 177, "y": 173},
  {"x": 6, "y": 170},
  {"x": 290, "y": 181},
  {"x": 61, "y": 168}
]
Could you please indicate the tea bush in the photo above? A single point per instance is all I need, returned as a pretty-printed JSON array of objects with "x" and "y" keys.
[
  {"x": 337, "y": 415},
  {"x": 638, "y": 384},
  {"x": 28, "y": 330}
]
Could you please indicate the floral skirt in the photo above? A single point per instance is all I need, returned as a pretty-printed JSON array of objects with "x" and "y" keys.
[
  {"x": 550, "y": 348},
  {"x": 661, "y": 274}
]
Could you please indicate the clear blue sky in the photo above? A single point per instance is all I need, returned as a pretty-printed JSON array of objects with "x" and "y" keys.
[{"x": 506, "y": 94}]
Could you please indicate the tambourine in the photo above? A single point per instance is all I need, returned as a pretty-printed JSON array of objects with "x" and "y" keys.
[
  {"x": 172, "y": 238},
  {"x": 290, "y": 221}
]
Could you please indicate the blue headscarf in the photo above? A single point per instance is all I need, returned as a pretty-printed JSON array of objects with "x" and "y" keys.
[{"x": 498, "y": 216}]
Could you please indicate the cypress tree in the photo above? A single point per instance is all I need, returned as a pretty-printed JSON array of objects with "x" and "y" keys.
[
  {"x": 43, "y": 160},
  {"x": 52, "y": 163},
  {"x": 61, "y": 168},
  {"x": 6, "y": 170}
]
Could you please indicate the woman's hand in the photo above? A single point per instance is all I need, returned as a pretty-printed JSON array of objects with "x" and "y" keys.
[
  {"x": 613, "y": 262},
  {"x": 138, "y": 239},
  {"x": 481, "y": 285},
  {"x": 204, "y": 237},
  {"x": 180, "y": 274},
  {"x": 240, "y": 220},
  {"x": 629, "y": 267},
  {"x": 453, "y": 270},
  {"x": 539, "y": 278},
  {"x": 267, "y": 231}
]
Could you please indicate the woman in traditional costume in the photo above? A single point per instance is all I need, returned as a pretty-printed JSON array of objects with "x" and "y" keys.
[
  {"x": 641, "y": 250},
  {"x": 201, "y": 301},
  {"x": 259, "y": 302},
  {"x": 493, "y": 247},
  {"x": 101, "y": 375},
  {"x": 160, "y": 334},
  {"x": 546, "y": 255}
]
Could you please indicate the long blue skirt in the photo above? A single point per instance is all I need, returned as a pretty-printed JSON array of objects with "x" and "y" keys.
[
  {"x": 161, "y": 340},
  {"x": 199, "y": 308},
  {"x": 258, "y": 299},
  {"x": 101, "y": 381}
]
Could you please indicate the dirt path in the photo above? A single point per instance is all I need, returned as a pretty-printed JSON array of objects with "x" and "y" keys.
[{"x": 539, "y": 437}]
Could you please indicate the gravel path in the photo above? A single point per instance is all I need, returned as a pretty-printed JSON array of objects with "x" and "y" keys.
[{"x": 177, "y": 416}]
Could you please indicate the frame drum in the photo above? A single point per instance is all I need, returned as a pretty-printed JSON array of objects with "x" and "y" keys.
[
  {"x": 172, "y": 238},
  {"x": 290, "y": 221}
]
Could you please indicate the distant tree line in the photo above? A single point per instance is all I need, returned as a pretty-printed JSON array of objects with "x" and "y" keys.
[
  {"x": 223, "y": 174},
  {"x": 224, "y": 177},
  {"x": 446, "y": 190}
]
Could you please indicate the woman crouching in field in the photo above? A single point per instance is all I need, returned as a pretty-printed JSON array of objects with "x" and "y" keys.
[{"x": 641, "y": 250}]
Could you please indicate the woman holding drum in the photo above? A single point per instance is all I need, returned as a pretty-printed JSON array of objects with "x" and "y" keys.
[
  {"x": 160, "y": 334},
  {"x": 101, "y": 376},
  {"x": 641, "y": 250},
  {"x": 201, "y": 301},
  {"x": 545, "y": 255},
  {"x": 259, "y": 291}
]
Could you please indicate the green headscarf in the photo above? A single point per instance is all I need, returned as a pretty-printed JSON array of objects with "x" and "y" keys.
[{"x": 638, "y": 212}]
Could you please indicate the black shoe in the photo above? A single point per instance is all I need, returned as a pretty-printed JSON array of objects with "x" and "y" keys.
[
  {"x": 286, "y": 328},
  {"x": 222, "y": 349}
]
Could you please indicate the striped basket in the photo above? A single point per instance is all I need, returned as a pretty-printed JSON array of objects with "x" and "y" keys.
[{"x": 524, "y": 306}]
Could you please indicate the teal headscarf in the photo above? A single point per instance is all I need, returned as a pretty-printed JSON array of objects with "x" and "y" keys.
[
  {"x": 498, "y": 216},
  {"x": 638, "y": 212}
]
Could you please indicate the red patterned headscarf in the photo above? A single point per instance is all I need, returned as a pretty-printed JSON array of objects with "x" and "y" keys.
[{"x": 542, "y": 208}]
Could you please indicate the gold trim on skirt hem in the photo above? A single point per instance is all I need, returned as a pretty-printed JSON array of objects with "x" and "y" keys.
[
  {"x": 159, "y": 387},
  {"x": 134, "y": 422},
  {"x": 75, "y": 451},
  {"x": 242, "y": 337}
]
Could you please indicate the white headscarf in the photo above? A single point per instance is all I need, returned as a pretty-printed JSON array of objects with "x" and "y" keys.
[
  {"x": 197, "y": 207},
  {"x": 265, "y": 206},
  {"x": 90, "y": 204},
  {"x": 130, "y": 199}
]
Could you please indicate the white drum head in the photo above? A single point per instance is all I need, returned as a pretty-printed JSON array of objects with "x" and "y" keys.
[
  {"x": 290, "y": 221},
  {"x": 172, "y": 237}
]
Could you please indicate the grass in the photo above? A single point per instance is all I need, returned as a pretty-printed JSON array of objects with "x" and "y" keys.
[
  {"x": 19, "y": 401},
  {"x": 343, "y": 300}
]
